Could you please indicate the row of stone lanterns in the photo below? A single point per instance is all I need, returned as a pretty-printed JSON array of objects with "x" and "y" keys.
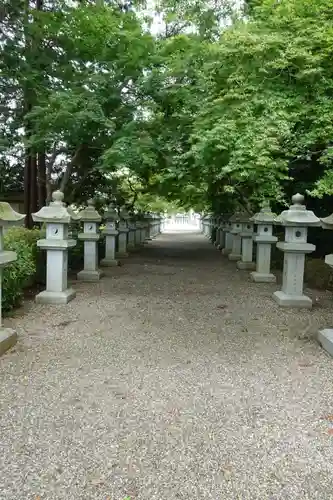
[
  {"x": 132, "y": 232},
  {"x": 239, "y": 237}
]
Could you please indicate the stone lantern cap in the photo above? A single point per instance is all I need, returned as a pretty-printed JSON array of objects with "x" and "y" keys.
[
  {"x": 245, "y": 217},
  {"x": 298, "y": 215},
  {"x": 327, "y": 222},
  {"x": 240, "y": 216},
  {"x": 74, "y": 215},
  {"x": 90, "y": 214},
  {"x": 235, "y": 217},
  {"x": 265, "y": 215},
  {"x": 8, "y": 216},
  {"x": 111, "y": 214},
  {"x": 123, "y": 214},
  {"x": 56, "y": 211}
]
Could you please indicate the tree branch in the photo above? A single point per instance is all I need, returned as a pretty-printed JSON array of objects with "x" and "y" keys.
[{"x": 69, "y": 168}]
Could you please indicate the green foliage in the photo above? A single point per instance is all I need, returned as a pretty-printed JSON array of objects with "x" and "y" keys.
[
  {"x": 17, "y": 275},
  {"x": 216, "y": 109}
]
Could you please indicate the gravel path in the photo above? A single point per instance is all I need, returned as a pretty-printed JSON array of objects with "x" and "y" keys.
[{"x": 173, "y": 378}]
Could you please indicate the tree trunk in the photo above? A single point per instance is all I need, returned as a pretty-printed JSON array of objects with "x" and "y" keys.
[{"x": 41, "y": 179}]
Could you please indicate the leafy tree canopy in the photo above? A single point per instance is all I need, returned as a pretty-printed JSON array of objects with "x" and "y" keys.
[{"x": 218, "y": 106}]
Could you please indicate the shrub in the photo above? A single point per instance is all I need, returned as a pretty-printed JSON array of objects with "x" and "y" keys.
[
  {"x": 318, "y": 274},
  {"x": 17, "y": 275}
]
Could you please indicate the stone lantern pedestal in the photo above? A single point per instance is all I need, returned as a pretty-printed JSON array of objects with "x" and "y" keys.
[
  {"x": 325, "y": 336},
  {"x": 163, "y": 223},
  {"x": 246, "y": 234},
  {"x": 138, "y": 242},
  {"x": 203, "y": 224},
  {"x": 110, "y": 233},
  {"x": 236, "y": 229},
  {"x": 90, "y": 237},
  {"x": 57, "y": 219},
  {"x": 8, "y": 217},
  {"x": 123, "y": 232},
  {"x": 221, "y": 243},
  {"x": 131, "y": 233},
  {"x": 153, "y": 227},
  {"x": 217, "y": 224},
  {"x": 264, "y": 240},
  {"x": 148, "y": 220},
  {"x": 145, "y": 231},
  {"x": 206, "y": 225},
  {"x": 228, "y": 238},
  {"x": 296, "y": 221}
]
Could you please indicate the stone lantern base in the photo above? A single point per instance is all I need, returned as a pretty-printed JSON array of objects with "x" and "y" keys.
[
  {"x": 245, "y": 265},
  {"x": 122, "y": 255},
  {"x": 286, "y": 300},
  {"x": 109, "y": 262},
  {"x": 325, "y": 339},
  {"x": 47, "y": 297},
  {"x": 262, "y": 277},
  {"x": 85, "y": 275},
  {"x": 234, "y": 256},
  {"x": 226, "y": 251},
  {"x": 8, "y": 339}
]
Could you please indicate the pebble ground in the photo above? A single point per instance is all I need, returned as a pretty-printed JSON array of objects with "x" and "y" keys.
[{"x": 174, "y": 378}]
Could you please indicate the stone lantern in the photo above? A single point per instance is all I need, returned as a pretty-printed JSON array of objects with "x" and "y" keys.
[
  {"x": 90, "y": 236},
  {"x": 228, "y": 237},
  {"x": 325, "y": 337},
  {"x": 8, "y": 217},
  {"x": 110, "y": 233},
  {"x": 132, "y": 231},
  {"x": 145, "y": 228},
  {"x": 152, "y": 227},
  {"x": 158, "y": 225},
  {"x": 57, "y": 218},
  {"x": 123, "y": 232},
  {"x": 236, "y": 229},
  {"x": 164, "y": 217},
  {"x": 204, "y": 224},
  {"x": 296, "y": 221},
  {"x": 221, "y": 240},
  {"x": 149, "y": 226},
  {"x": 207, "y": 222},
  {"x": 213, "y": 229},
  {"x": 246, "y": 234},
  {"x": 264, "y": 239},
  {"x": 142, "y": 230},
  {"x": 218, "y": 222},
  {"x": 138, "y": 231},
  {"x": 207, "y": 225}
]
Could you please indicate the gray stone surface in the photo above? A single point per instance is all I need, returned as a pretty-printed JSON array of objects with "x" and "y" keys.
[
  {"x": 246, "y": 265},
  {"x": 86, "y": 275},
  {"x": 263, "y": 277},
  {"x": 264, "y": 239},
  {"x": 109, "y": 262},
  {"x": 47, "y": 297},
  {"x": 8, "y": 338},
  {"x": 90, "y": 237},
  {"x": 56, "y": 217},
  {"x": 172, "y": 378},
  {"x": 296, "y": 220},
  {"x": 287, "y": 300},
  {"x": 325, "y": 338}
]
